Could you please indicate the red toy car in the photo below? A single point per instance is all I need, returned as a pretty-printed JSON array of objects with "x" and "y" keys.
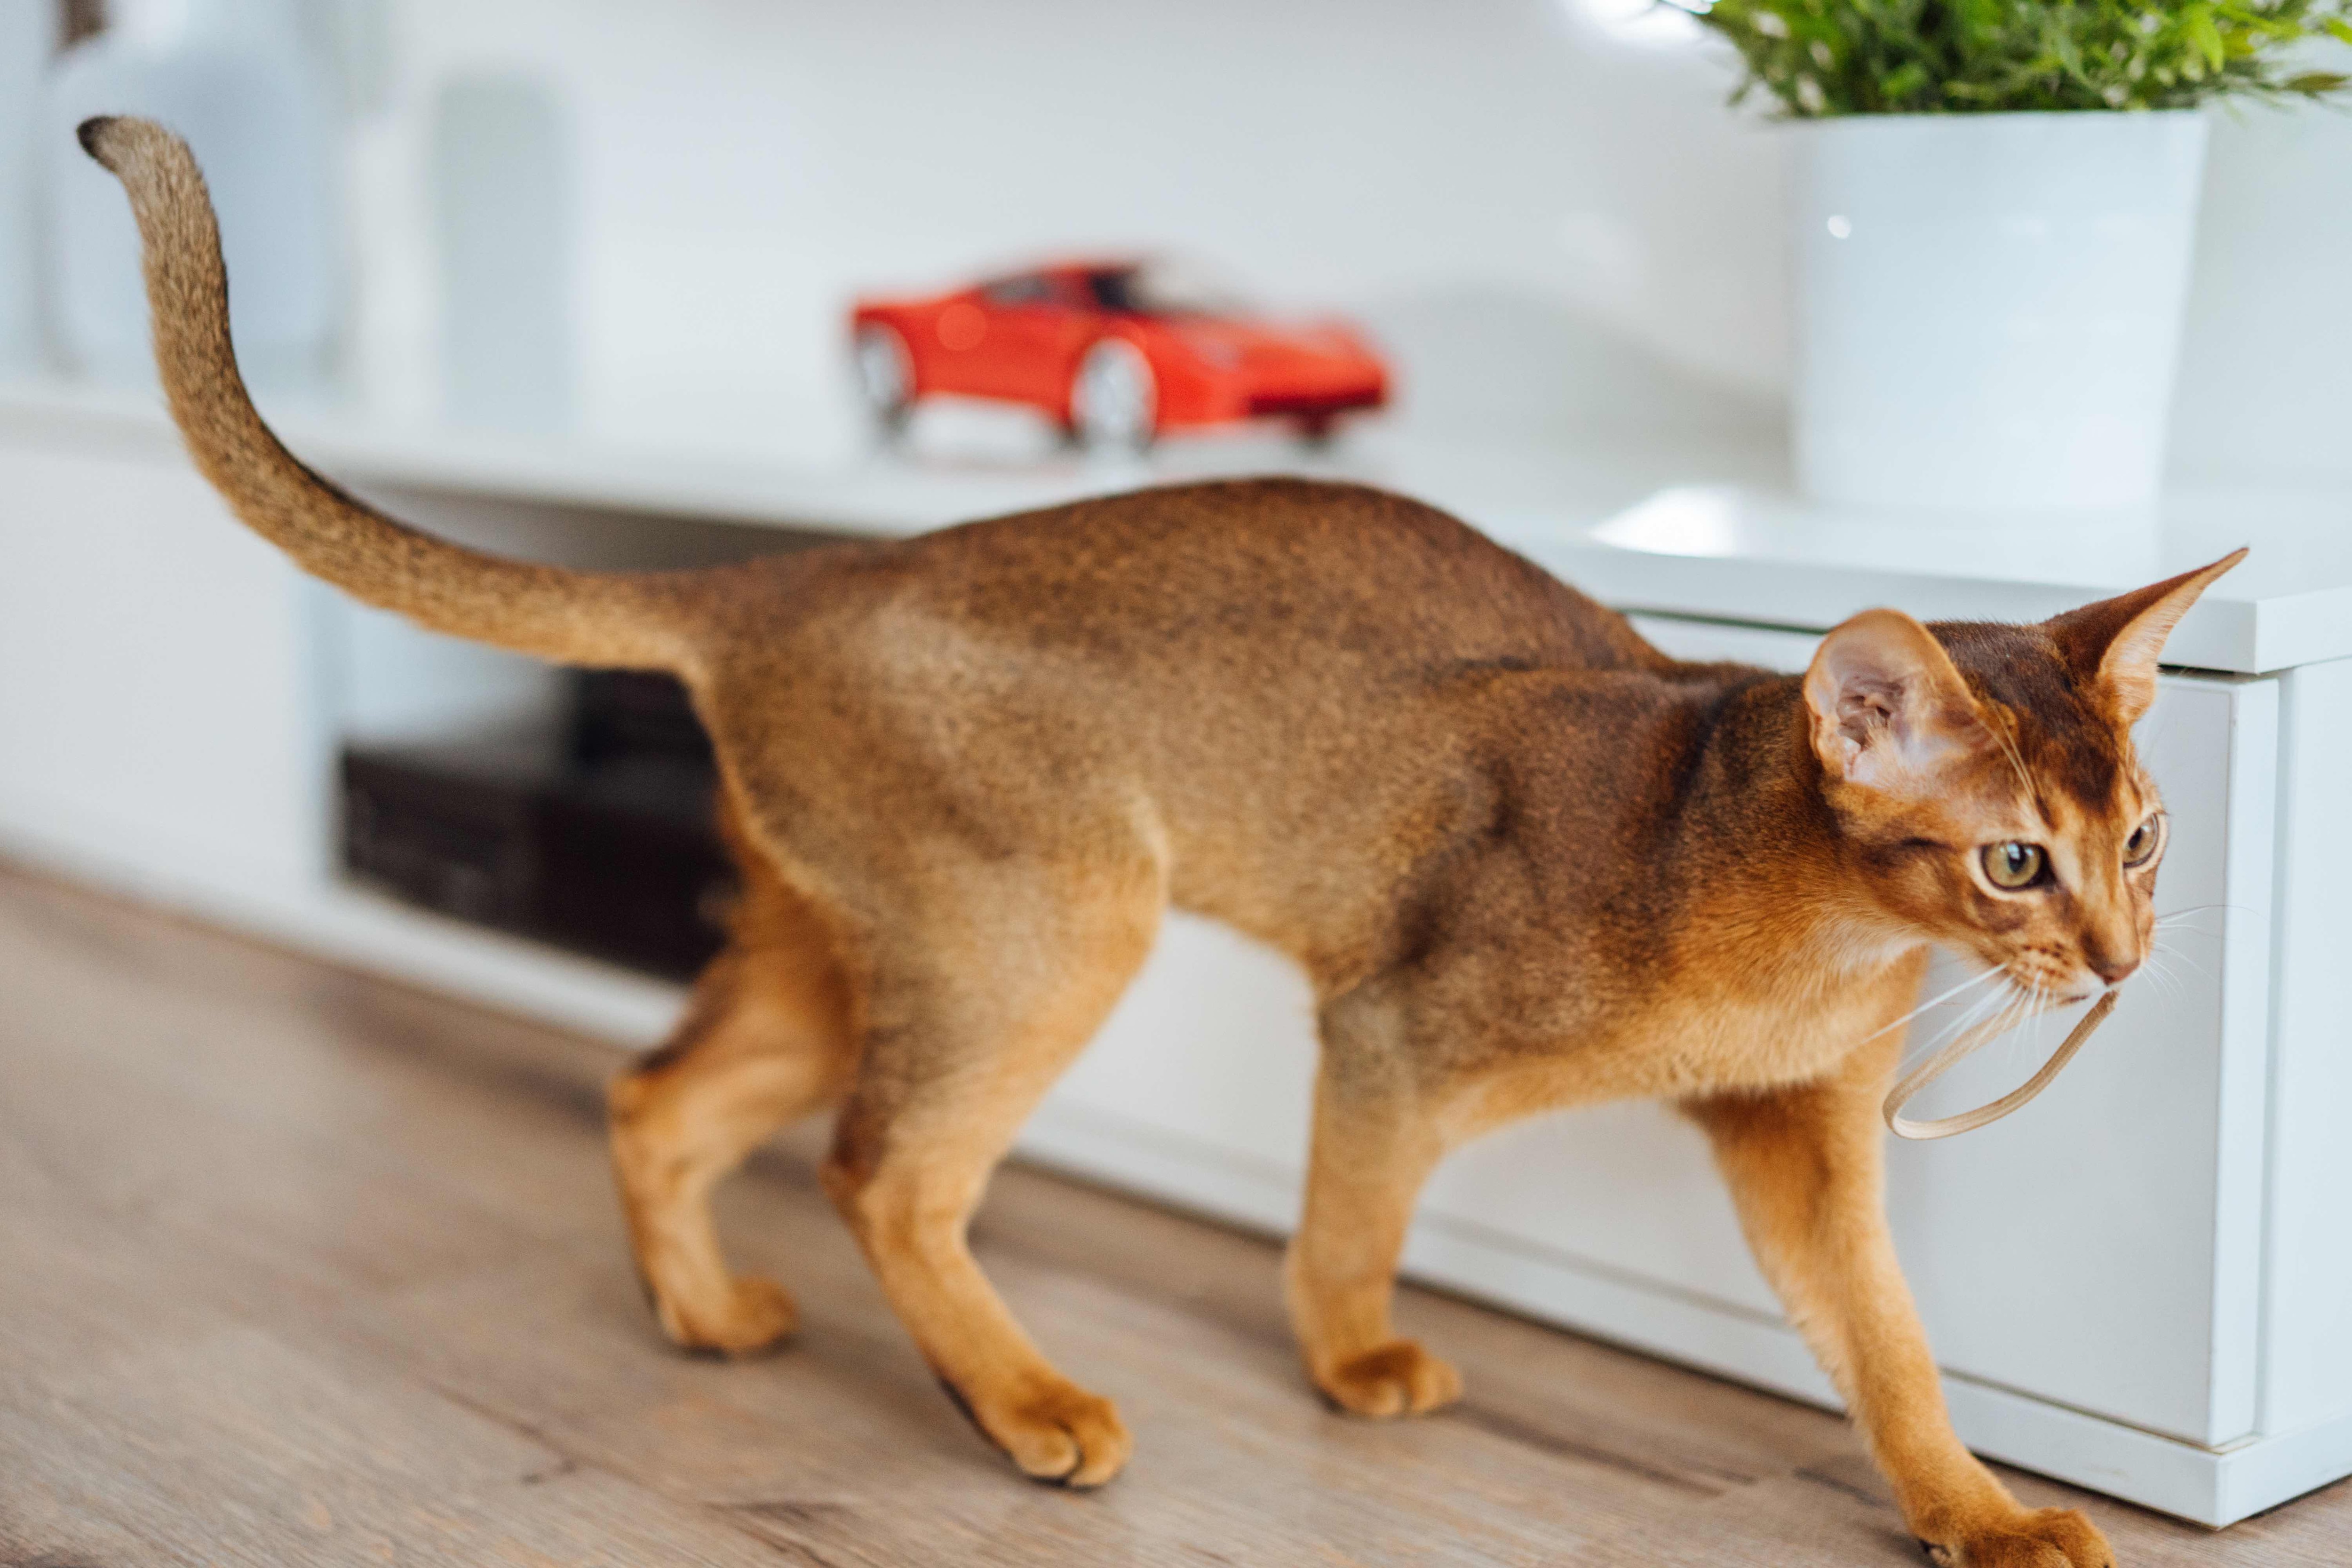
[{"x": 1116, "y": 352}]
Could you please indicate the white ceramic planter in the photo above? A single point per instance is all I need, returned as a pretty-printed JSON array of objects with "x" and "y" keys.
[{"x": 1989, "y": 306}]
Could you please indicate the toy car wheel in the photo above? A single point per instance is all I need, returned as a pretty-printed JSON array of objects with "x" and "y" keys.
[
  {"x": 885, "y": 375},
  {"x": 1115, "y": 399}
]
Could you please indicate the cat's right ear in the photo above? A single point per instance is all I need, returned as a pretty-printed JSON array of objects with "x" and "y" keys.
[{"x": 1889, "y": 711}]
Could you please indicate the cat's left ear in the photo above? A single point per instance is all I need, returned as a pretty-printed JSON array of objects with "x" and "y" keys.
[{"x": 2113, "y": 646}]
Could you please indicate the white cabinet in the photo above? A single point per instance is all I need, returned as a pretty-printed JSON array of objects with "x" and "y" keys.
[
  {"x": 156, "y": 710},
  {"x": 2138, "y": 1177},
  {"x": 171, "y": 696}
]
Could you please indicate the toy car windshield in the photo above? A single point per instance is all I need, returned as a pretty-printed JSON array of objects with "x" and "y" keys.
[{"x": 1162, "y": 289}]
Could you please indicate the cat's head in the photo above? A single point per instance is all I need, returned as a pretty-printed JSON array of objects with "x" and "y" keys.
[{"x": 1984, "y": 780}]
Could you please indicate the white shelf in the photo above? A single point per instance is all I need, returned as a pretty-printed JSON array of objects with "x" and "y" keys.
[
  {"x": 1690, "y": 530},
  {"x": 880, "y": 493},
  {"x": 1760, "y": 556}
]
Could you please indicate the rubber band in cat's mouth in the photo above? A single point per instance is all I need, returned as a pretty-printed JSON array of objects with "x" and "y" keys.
[{"x": 1910, "y": 1084}]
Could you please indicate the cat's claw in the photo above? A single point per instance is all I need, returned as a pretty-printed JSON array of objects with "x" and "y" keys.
[
  {"x": 2044, "y": 1538},
  {"x": 1398, "y": 1378}
]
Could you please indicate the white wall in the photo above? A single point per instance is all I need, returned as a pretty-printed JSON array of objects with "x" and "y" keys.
[
  {"x": 1495, "y": 172},
  {"x": 1557, "y": 228}
]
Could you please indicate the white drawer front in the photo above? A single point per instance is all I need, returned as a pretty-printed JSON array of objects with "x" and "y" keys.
[{"x": 2101, "y": 1248}]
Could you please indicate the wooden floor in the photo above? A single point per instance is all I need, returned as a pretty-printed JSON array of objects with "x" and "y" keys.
[{"x": 298, "y": 1268}]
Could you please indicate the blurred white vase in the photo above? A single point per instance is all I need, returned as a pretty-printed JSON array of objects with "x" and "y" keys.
[
  {"x": 503, "y": 220},
  {"x": 1989, "y": 306},
  {"x": 233, "y": 79},
  {"x": 27, "y": 28}
]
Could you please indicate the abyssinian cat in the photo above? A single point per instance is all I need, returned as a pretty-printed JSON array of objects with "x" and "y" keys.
[{"x": 1527, "y": 861}]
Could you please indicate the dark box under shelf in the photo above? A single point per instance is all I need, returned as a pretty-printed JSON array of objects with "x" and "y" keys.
[{"x": 596, "y": 836}]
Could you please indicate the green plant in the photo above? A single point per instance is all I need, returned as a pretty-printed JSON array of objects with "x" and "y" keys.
[{"x": 1913, "y": 56}]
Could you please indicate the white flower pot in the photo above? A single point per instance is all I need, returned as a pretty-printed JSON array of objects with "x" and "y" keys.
[{"x": 1989, "y": 306}]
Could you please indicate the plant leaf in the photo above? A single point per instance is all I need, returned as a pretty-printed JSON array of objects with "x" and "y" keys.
[
  {"x": 2197, "y": 22},
  {"x": 1858, "y": 57}
]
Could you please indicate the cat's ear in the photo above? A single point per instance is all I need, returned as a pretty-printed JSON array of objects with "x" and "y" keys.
[
  {"x": 2113, "y": 646},
  {"x": 1889, "y": 709}
]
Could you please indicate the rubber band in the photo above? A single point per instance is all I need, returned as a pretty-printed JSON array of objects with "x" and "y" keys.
[{"x": 1909, "y": 1086}]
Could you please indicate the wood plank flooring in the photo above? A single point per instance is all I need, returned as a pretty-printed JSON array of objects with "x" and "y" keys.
[{"x": 300, "y": 1267}]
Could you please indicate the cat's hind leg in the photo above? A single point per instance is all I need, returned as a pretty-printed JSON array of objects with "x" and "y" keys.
[
  {"x": 980, "y": 993},
  {"x": 765, "y": 1039},
  {"x": 1378, "y": 1134}
]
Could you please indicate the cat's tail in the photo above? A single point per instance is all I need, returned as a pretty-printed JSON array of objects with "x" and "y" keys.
[{"x": 620, "y": 620}]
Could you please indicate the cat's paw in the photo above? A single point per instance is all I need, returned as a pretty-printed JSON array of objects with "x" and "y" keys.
[
  {"x": 754, "y": 1315},
  {"x": 1054, "y": 1432},
  {"x": 1398, "y": 1378},
  {"x": 2044, "y": 1538}
]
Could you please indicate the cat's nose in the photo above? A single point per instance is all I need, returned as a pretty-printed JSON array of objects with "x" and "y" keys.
[{"x": 2111, "y": 967}]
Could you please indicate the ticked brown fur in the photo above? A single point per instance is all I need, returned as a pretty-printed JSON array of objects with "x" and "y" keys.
[{"x": 1527, "y": 861}]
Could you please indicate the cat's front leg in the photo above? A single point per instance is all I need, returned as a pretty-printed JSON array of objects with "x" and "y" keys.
[
  {"x": 1806, "y": 1168},
  {"x": 1375, "y": 1142}
]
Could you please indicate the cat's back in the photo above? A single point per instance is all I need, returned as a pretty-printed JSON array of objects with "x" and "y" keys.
[{"x": 1282, "y": 569}]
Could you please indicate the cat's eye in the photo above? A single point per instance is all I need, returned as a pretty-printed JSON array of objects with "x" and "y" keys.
[
  {"x": 2145, "y": 841},
  {"x": 2013, "y": 866}
]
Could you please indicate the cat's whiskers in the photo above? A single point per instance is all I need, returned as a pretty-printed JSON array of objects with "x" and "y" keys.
[
  {"x": 1998, "y": 1014},
  {"x": 2160, "y": 946},
  {"x": 2179, "y": 917},
  {"x": 2025, "y": 1035},
  {"x": 1992, "y": 1003},
  {"x": 2045, "y": 1002},
  {"x": 2016, "y": 1031},
  {"x": 1974, "y": 980},
  {"x": 2159, "y": 974}
]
